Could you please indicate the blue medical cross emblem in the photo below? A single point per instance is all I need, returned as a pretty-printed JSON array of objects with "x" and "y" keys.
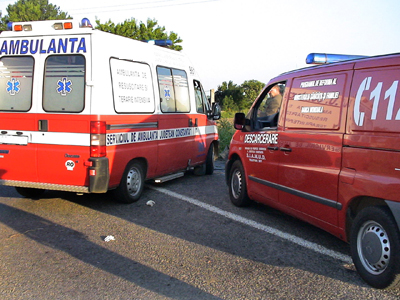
[
  {"x": 13, "y": 86},
  {"x": 64, "y": 86},
  {"x": 167, "y": 93}
]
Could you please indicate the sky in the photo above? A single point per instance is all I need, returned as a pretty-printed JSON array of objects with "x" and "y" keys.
[{"x": 239, "y": 40}]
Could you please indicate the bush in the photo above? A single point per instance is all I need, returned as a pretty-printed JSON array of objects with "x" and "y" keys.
[{"x": 225, "y": 132}]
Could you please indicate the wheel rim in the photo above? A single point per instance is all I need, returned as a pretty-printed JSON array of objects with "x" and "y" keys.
[
  {"x": 133, "y": 182},
  {"x": 373, "y": 247},
  {"x": 236, "y": 183}
]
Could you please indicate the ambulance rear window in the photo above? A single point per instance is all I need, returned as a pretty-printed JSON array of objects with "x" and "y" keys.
[
  {"x": 16, "y": 83},
  {"x": 64, "y": 83}
]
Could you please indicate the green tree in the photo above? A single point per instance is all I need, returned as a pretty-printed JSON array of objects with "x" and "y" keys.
[
  {"x": 141, "y": 31},
  {"x": 251, "y": 89},
  {"x": 242, "y": 95},
  {"x": 229, "y": 90},
  {"x": 229, "y": 104},
  {"x": 32, "y": 10}
]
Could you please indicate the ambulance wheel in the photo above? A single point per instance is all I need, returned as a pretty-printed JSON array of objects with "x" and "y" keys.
[
  {"x": 237, "y": 185},
  {"x": 375, "y": 247},
  {"x": 210, "y": 160},
  {"x": 30, "y": 192},
  {"x": 132, "y": 183}
]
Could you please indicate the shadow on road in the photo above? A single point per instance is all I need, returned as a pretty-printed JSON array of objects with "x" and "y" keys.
[{"x": 79, "y": 247}]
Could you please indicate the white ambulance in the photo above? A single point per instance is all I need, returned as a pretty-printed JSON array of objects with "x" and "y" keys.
[{"x": 87, "y": 111}]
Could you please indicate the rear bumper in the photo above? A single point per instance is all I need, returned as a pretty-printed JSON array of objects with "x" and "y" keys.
[{"x": 45, "y": 186}]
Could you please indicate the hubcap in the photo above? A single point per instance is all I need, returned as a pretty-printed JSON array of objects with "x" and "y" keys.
[
  {"x": 236, "y": 184},
  {"x": 133, "y": 181},
  {"x": 373, "y": 247}
]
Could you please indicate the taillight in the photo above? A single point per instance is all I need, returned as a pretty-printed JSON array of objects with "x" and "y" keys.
[{"x": 97, "y": 139}]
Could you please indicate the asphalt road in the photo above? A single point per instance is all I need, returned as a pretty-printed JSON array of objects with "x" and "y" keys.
[{"x": 191, "y": 244}]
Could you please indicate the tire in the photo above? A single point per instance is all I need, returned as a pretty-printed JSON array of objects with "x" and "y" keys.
[
  {"x": 30, "y": 192},
  {"x": 237, "y": 185},
  {"x": 208, "y": 167},
  {"x": 210, "y": 160},
  {"x": 375, "y": 247},
  {"x": 132, "y": 183}
]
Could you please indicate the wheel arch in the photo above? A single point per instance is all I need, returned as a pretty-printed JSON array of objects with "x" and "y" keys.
[
  {"x": 228, "y": 166},
  {"x": 357, "y": 205},
  {"x": 141, "y": 160}
]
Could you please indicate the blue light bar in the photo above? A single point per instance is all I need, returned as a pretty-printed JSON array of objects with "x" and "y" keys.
[
  {"x": 10, "y": 26},
  {"x": 324, "y": 58},
  {"x": 162, "y": 43}
]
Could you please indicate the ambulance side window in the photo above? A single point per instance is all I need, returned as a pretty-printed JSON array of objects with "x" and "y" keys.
[
  {"x": 174, "y": 90},
  {"x": 201, "y": 99},
  {"x": 269, "y": 105},
  {"x": 16, "y": 77},
  {"x": 181, "y": 90},
  {"x": 64, "y": 83}
]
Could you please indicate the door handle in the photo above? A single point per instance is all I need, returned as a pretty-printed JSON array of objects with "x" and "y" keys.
[
  {"x": 286, "y": 149},
  {"x": 273, "y": 148},
  {"x": 43, "y": 125}
]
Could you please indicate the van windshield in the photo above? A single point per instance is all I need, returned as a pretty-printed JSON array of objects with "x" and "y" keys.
[{"x": 16, "y": 83}]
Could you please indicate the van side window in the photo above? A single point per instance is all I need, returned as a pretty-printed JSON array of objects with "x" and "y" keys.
[
  {"x": 132, "y": 85},
  {"x": 174, "y": 90},
  {"x": 16, "y": 77},
  {"x": 267, "y": 112},
  {"x": 64, "y": 83},
  {"x": 202, "y": 105}
]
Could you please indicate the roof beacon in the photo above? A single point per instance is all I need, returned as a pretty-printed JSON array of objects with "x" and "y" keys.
[
  {"x": 85, "y": 23},
  {"x": 162, "y": 43},
  {"x": 324, "y": 58}
]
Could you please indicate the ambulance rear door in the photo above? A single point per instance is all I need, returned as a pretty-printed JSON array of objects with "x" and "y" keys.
[
  {"x": 63, "y": 139},
  {"x": 17, "y": 122}
]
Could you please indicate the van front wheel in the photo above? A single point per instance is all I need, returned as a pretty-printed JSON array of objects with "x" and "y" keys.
[
  {"x": 132, "y": 183},
  {"x": 237, "y": 185},
  {"x": 375, "y": 247},
  {"x": 210, "y": 161}
]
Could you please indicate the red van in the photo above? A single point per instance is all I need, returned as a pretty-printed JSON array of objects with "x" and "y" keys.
[{"x": 323, "y": 144}]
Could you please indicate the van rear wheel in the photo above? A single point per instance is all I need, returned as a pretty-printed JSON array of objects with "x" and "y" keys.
[
  {"x": 132, "y": 183},
  {"x": 375, "y": 247},
  {"x": 237, "y": 185}
]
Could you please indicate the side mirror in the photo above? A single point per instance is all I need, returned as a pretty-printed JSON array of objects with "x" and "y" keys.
[
  {"x": 239, "y": 121},
  {"x": 216, "y": 111}
]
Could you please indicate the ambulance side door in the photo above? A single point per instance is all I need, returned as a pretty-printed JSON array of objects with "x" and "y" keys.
[
  {"x": 202, "y": 125},
  {"x": 311, "y": 147},
  {"x": 175, "y": 144}
]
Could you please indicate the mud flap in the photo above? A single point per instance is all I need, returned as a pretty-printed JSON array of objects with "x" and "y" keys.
[{"x": 101, "y": 175}]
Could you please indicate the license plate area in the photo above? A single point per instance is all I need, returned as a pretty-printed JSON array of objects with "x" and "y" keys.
[{"x": 13, "y": 139}]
